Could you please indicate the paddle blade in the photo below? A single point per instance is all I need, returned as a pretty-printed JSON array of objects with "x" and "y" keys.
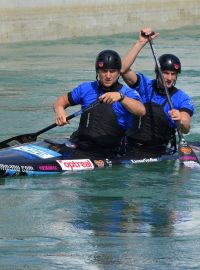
[
  {"x": 25, "y": 138},
  {"x": 187, "y": 156}
]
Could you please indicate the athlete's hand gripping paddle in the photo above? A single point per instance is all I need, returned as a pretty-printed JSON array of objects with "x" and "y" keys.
[{"x": 31, "y": 137}]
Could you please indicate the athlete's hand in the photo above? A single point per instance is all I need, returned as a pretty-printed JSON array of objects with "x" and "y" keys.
[
  {"x": 110, "y": 97},
  {"x": 61, "y": 117},
  {"x": 144, "y": 33},
  {"x": 175, "y": 114}
]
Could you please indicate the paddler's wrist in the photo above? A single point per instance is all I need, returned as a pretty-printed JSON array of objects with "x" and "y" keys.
[
  {"x": 140, "y": 44},
  {"x": 122, "y": 96}
]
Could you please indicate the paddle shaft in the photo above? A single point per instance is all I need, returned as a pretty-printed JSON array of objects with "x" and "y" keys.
[
  {"x": 55, "y": 125},
  {"x": 68, "y": 117},
  {"x": 30, "y": 137}
]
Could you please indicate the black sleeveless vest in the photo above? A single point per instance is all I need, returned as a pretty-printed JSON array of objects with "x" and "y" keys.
[
  {"x": 100, "y": 126},
  {"x": 153, "y": 128}
]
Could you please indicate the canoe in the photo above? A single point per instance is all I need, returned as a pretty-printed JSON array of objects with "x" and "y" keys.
[
  {"x": 50, "y": 157},
  {"x": 24, "y": 155}
]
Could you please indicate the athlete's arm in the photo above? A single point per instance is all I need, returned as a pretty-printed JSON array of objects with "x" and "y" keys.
[
  {"x": 128, "y": 75},
  {"x": 59, "y": 106},
  {"x": 134, "y": 106},
  {"x": 131, "y": 104},
  {"x": 183, "y": 118}
]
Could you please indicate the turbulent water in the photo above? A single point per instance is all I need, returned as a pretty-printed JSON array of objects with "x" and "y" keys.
[{"x": 140, "y": 217}]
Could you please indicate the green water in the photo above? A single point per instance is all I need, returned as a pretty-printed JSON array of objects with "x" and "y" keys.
[{"x": 140, "y": 217}]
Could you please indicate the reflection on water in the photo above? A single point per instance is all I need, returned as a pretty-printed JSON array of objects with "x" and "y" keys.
[
  {"x": 140, "y": 217},
  {"x": 100, "y": 219}
]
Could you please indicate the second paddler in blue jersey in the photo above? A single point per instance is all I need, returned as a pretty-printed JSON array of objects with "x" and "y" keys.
[
  {"x": 102, "y": 128},
  {"x": 157, "y": 128}
]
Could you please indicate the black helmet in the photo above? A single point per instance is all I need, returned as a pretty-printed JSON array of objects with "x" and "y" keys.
[
  {"x": 108, "y": 59},
  {"x": 170, "y": 62}
]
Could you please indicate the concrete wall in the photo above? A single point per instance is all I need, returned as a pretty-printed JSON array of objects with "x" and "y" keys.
[{"x": 22, "y": 20}]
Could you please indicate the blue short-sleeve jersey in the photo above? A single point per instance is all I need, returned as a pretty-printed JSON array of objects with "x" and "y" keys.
[
  {"x": 180, "y": 100},
  {"x": 86, "y": 93}
]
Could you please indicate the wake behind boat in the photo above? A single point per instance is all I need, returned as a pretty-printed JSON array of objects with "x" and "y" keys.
[{"x": 50, "y": 157}]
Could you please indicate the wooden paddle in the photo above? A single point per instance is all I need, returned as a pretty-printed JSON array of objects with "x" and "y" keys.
[
  {"x": 31, "y": 137},
  {"x": 186, "y": 153}
]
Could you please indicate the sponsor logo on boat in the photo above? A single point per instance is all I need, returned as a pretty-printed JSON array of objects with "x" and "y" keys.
[
  {"x": 38, "y": 151},
  {"x": 188, "y": 158},
  {"x": 186, "y": 150},
  {"x": 108, "y": 162},
  {"x": 15, "y": 168},
  {"x": 99, "y": 163},
  {"x": 48, "y": 168},
  {"x": 76, "y": 164},
  {"x": 144, "y": 160}
]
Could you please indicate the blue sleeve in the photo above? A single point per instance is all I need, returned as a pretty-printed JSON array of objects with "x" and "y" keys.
[
  {"x": 183, "y": 102},
  {"x": 125, "y": 118},
  {"x": 75, "y": 95},
  {"x": 132, "y": 93},
  {"x": 144, "y": 87},
  {"x": 142, "y": 83},
  {"x": 84, "y": 94}
]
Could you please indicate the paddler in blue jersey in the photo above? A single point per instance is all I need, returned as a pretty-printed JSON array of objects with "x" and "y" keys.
[
  {"x": 102, "y": 128},
  {"x": 157, "y": 128}
]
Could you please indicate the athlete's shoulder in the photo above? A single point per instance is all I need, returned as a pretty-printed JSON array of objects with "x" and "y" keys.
[
  {"x": 88, "y": 84},
  {"x": 144, "y": 78},
  {"x": 183, "y": 100},
  {"x": 181, "y": 94},
  {"x": 130, "y": 92}
]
